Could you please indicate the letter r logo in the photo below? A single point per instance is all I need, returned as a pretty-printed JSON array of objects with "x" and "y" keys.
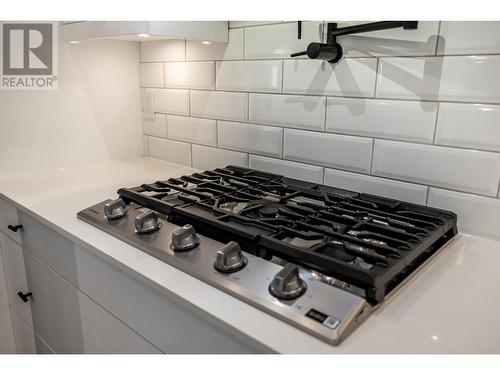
[{"x": 27, "y": 49}]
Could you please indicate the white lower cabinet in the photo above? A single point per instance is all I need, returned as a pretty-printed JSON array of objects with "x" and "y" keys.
[
  {"x": 57, "y": 315},
  {"x": 70, "y": 322},
  {"x": 81, "y": 303}
]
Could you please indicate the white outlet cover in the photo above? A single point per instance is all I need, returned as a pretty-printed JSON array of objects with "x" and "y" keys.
[{"x": 148, "y": 105}]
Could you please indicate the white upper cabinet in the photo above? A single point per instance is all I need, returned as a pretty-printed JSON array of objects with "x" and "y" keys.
[{"x": 210, "y": 31}]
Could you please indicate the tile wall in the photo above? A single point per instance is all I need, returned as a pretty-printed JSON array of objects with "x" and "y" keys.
[{"x": 413, "y": 115}]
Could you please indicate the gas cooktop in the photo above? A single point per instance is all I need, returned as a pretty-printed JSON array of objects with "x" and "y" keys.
[{"x": 318, "y": 257}]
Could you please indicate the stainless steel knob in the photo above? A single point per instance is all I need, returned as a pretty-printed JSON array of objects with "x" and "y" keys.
[
  {"x": 230, "y": 258},
  {"x": 147, "y": 222},
  {"x": 287, "y": 284},
  {"x": 115, "y": 209},
  {"x": 184, "y": 238}
]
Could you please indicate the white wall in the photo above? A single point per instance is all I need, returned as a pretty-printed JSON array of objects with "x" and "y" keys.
[
  {"x": 413, "y": 115},
  {"x": 95, "y": 114}
]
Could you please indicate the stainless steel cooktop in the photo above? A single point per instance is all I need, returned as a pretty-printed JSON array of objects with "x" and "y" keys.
[{"x": 316, "y": 257}]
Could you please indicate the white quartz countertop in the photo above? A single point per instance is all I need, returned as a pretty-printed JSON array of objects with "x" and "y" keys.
[{"x": 452, "y": 306}]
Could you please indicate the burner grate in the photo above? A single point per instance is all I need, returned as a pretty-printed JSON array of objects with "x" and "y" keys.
[{"x": 369, "y": 241}]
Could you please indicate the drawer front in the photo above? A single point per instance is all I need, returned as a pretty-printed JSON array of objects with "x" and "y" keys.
[
  {"x": 70, "y": 322},
  {"x": 8, "y": 216},
  {"x": 50, "y": 247},
  {"x": 163, "y": 320},
  {"x": 16, "y": 276},
  {"x": 27, "y": 341}
]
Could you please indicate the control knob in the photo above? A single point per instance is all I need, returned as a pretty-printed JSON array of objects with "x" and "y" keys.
[
  {"x": 147, "y": 222},
  {"x": 230, "y": 258},
  {"x": 184, "y": 238},
  {"x": 115, "y": 209},
  {"x": 287, "y": 283}
]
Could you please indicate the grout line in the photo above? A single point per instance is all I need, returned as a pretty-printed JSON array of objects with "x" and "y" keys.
[
  {"x": 377, "y": 68},
  {"x": 214, "y": 75},
  {"x": 282, "y": 75},
  {"x": 244, "y": 44},
  {"x": 273, "y": 23},
  {"x": 364, "y": 57},
  {"x": 282, "y": 143},
  {"x": 217, "y": 133},
  {"x": 414, "y": 100},
  {"x": 371, "y": 159},
  {"x": 191, "y": 151},
  {"x": 436, "y": 123},
  {"x": 438, "y": 38},
  {"x": 326, "y": 114}
]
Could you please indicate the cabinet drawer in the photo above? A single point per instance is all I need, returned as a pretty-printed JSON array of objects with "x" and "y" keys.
[
  {"x": 16, "y": 276},
  {"x": 27, "y": 341},
  {"x": 49, "y": 246},
  {"x": 8, "y": 216},
  {"x": 72, "y": 323},
  {"x": 168, "y": 323}
]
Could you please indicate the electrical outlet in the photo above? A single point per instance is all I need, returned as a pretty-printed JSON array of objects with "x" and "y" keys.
[{"x": 148, "y": 104}]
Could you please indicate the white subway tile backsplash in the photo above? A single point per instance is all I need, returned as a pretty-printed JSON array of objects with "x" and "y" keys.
[
  {"x": 465, "y": 170},
  {"x": 291, "y": 111},
  {"x": 221, "y": 105},
  {"x": 376, "y": 185},
  {"x": 431, "y": 102},
  {"x": 171, "y": 101},
  {"x": 474, "y": 126},
  {"x": 469, "y": 37},
  {"x": 392, "y": 42},
  {"x": 156, "y": 126},
  {"x": 278, "y": 41},
  {"x": 151, "y": 74},
  {"x": 476, "y": 215},
  {"x": 300, "y": 171},
  {"x": 350, "y": 77},
  {"x": 210, "y": 158},
  {"x": 163, "y": 50},
  {"x": 453, "y": 78},
  {"x": 189, "y": 75},
  {"x": 177, "y": 152},
  {"x": 329, "y": 150},
  {"x": 193, "y": 130},
  {"x": 396, "y": 119},
  {"x": 256, "y": 76},
  {"x": 233, "y": 50},
  {"x": 258, "y": 139}
]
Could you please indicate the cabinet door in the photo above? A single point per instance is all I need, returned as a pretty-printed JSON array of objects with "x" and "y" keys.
[
  {"x": 7, "y": 344},
  {"x": 50, "y": 247},
  {"x": 72, "y": 323},
  {"x": 16, "y": 276},
  {"x": 169, "y": 323},
  {"x": 27, "y": 341}
]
